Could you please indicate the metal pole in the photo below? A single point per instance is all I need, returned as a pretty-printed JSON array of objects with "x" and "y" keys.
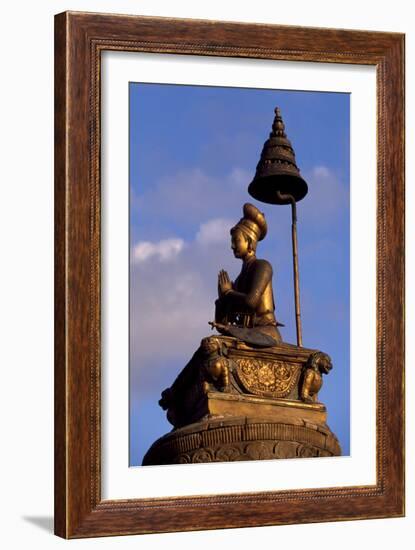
[{"x": 291, "y": 199}]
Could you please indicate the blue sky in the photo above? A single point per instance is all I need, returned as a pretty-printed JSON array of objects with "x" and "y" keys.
[{"x": 193, "y": 152}]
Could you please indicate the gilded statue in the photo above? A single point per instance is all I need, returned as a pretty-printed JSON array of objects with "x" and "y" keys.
[
  {"x": 243, "y": 387},
  {"x": 245, "y": 394},
  {"x": 245, "y": 308}
]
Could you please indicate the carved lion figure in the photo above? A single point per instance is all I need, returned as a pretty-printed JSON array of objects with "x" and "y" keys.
[
  {"x": 319, "y": 363},
  {"x": 216, "y": 365}
]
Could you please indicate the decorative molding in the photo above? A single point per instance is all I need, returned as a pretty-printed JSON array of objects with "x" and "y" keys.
[
  {"x": 211, "y": 441},
  {"x": 80, "y": 38}
]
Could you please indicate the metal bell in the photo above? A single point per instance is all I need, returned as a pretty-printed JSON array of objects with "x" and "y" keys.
[{"x": 277, "y": 174}]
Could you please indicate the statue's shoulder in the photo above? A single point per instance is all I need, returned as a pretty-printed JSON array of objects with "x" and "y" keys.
[{"x": 263, "y": 265}]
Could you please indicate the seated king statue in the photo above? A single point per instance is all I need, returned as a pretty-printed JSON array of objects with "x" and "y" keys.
[
  {"x": 245, "y": 394},
  {"x": 245, "y": 308}
]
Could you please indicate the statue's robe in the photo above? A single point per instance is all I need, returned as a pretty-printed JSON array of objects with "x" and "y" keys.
[{"x": 250, "y": 302}]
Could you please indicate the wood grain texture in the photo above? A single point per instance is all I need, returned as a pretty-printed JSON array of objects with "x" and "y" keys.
[{"x": 79, "y": 39}]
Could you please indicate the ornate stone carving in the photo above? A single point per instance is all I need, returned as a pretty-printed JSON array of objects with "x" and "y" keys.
[
  {"x": 225, "y": 367},
  {"x": 203, "y": 455},
  {"x": 319, "y": 363},
  {"x": 215, "y": 364},
  {"x": 226, "y": 385},
  {"x": 257, "y": 450},
  {"x": 267, "y": 378},
  {"x": 260, "y": 450},
  {"x": 227, "y": 454},
  {"x": 237, "y": 440}
]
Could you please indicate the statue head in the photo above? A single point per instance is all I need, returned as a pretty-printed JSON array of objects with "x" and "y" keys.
[{"x": 250, "y": 229}]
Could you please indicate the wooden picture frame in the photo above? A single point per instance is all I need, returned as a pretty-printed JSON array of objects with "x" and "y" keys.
[{"x": 79, "y": 40}]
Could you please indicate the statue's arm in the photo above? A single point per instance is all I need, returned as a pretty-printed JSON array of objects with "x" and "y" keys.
[{"x": 249, "y": 301}]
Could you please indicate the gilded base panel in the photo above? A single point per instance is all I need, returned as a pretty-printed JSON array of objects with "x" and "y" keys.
[{"x": 228, "y": 377}]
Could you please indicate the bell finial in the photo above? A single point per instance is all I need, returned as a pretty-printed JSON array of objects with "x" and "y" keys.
[
  {"x": 277, "y": 170},
  {"x": 278, "y": 127}
]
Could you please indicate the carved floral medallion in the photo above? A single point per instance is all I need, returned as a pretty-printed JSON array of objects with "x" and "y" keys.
[{"x": 267, "y": 378}]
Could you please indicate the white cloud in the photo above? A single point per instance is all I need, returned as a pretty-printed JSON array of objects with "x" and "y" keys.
[
  {"x": 171, "y": 303},
  {"x": 170, "y": 308},
  {"x": 321, "y": 172},
  {"x": 164, "y": 250},
  {"x": 214, "y": 231}
]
